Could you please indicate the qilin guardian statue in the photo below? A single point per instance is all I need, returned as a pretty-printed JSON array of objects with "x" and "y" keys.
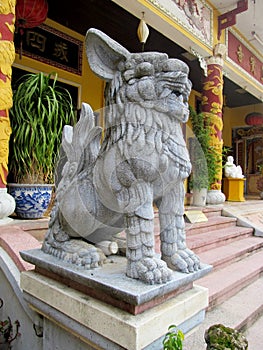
[{"x": 110, "y": 186}]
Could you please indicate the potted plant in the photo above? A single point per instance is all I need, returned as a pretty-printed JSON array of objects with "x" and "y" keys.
[
  {"x": 41, "y": 108},
  {"x": 221, "y": 337},
  {"x": 203, "y": 158}
]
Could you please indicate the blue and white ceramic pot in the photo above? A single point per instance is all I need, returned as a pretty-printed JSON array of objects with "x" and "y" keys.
[{"x": 32, "y": 201}]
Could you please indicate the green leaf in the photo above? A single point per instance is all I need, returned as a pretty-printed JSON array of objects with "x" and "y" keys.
[
  {"x": 40, "y": 110},
  {"x": 173, "y": 339}
]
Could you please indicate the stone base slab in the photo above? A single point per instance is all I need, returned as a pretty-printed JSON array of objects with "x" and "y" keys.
[
  {"x": 110, "y": 283},
  {"x": 74, "y": 311}
]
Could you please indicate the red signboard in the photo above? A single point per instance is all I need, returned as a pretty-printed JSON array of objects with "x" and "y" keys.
[{"x": 245, "y": 58}]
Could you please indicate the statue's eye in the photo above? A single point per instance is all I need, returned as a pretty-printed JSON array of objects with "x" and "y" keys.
[{"x": 177, "y": 93}]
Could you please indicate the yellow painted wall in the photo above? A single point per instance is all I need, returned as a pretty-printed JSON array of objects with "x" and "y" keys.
[
  {"x": 233, "y": 117},
  {"x": 90, "y": 87}
]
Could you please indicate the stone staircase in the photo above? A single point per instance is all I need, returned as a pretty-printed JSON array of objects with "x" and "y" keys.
[{"x": 236, "y": 282}]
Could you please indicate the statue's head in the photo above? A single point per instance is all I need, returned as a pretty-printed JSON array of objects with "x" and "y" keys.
[
  {"x": 230, "y": 159},
  {"x": 151, "y": 79}
]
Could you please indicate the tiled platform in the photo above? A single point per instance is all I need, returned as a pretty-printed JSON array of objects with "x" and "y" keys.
[{"x": 248, "y": 213}]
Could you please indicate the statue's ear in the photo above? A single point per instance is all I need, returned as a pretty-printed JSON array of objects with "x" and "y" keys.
[{"x": 104, "y": 54}]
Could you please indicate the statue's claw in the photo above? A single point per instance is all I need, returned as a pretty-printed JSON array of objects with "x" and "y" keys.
[
  {"x": 149, "y": 270},
  {"x": 76, "y": 252},
  {"x": 183, "y": 260}
]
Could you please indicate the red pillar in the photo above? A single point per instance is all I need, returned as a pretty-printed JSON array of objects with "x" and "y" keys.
[
  {"x": 7, "y": 56},
  {"x": 212, "y": 104}
]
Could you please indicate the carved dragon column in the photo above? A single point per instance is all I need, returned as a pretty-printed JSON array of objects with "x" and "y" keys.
[
  {"x": 212, "y": 103},
  {"x": 7, "y": 56}
]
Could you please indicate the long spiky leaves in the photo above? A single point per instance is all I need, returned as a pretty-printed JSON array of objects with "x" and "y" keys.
[{"x": 40, "y": 110}]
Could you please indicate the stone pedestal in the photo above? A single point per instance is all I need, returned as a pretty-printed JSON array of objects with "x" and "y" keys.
[
  {"x": 234, "y": 189},
  {"x": 93, "y": 324},
  {"x": 103, "y": 308}
]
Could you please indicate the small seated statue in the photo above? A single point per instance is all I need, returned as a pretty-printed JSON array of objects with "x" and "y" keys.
[{"x": 231, "y": 170}]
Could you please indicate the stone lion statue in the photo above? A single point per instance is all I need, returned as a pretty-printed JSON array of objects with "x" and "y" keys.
[{"x": 110, "y": 186}]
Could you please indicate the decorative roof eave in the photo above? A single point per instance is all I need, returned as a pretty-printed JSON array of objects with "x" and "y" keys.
[
  {"x": 240, "y": 75},
  {"x": 244, "y": 41},
  {"x": 161, "y": 18}
]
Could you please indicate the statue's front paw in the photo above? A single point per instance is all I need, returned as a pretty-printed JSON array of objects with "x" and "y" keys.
[
  {"x": 149, "y": 270},
  {"x": 184, "y": 260}
]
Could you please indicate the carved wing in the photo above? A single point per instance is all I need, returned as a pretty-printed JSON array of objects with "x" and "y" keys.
[{"x": 80, "y": 146}]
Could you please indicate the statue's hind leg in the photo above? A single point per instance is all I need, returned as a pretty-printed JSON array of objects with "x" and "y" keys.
[
  {"x": 172, "y": 232},
  {"x": 75, "y": 251}
]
